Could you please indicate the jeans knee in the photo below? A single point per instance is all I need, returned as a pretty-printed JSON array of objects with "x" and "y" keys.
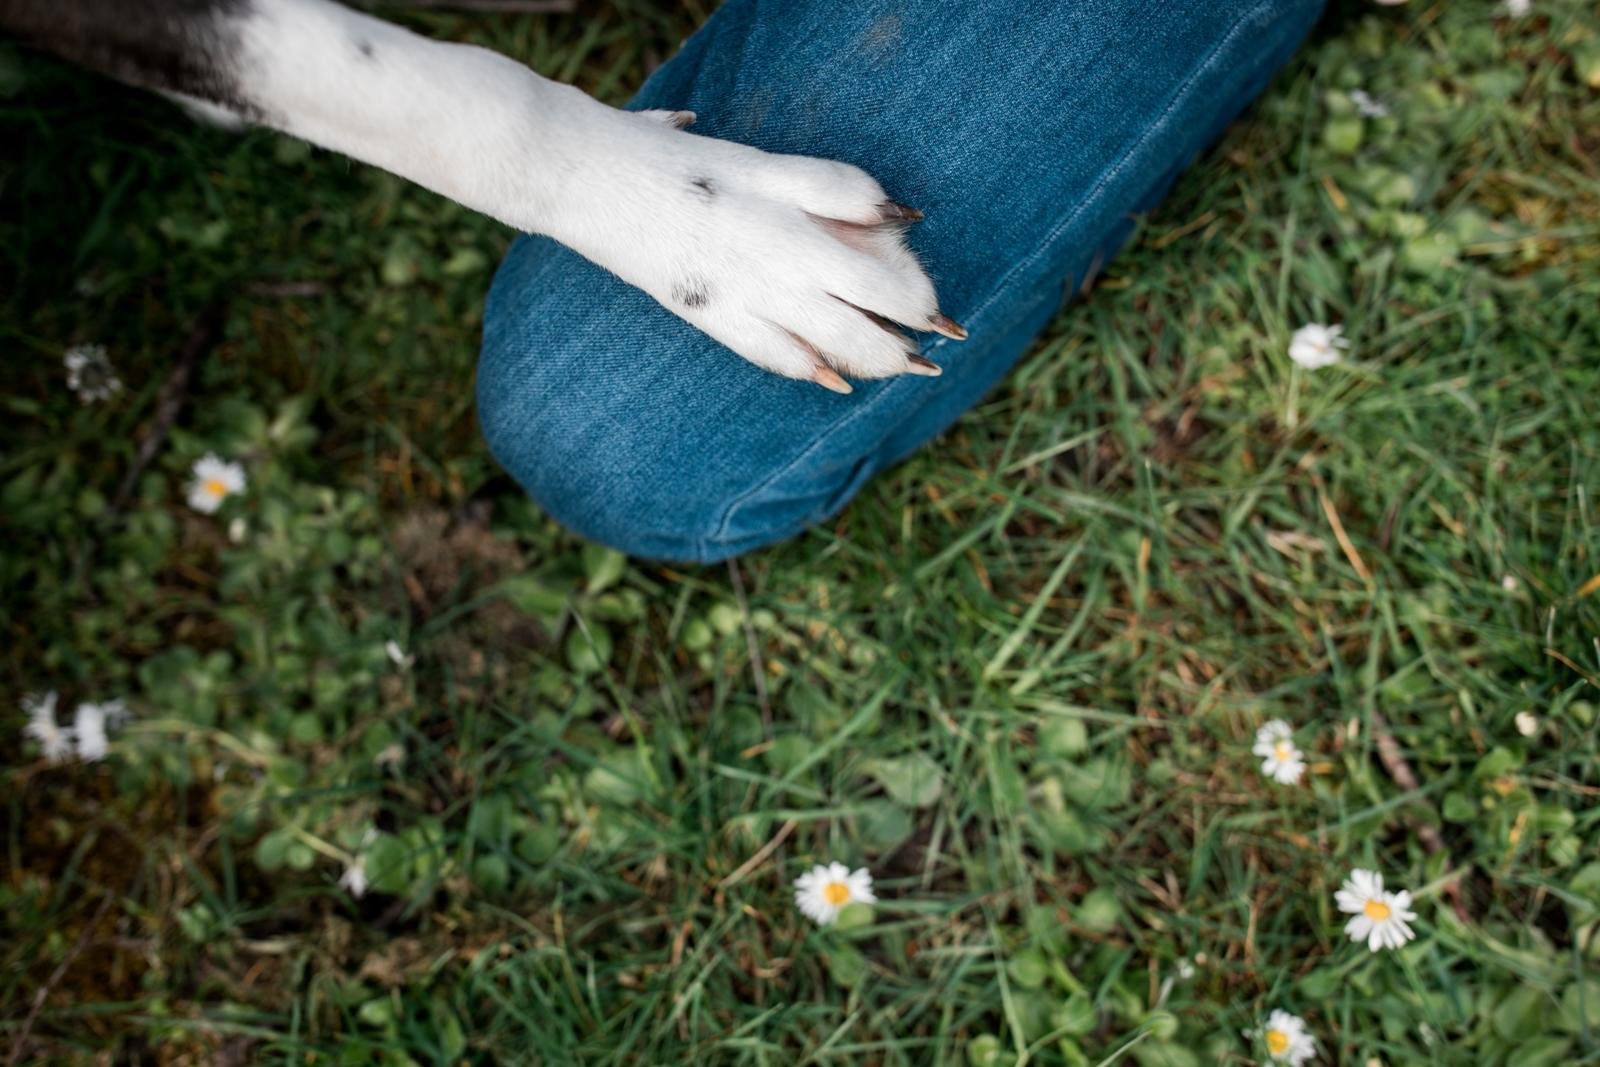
[
  {"x": 625, "y": 494},
  {"x": 607, "y": 490},
  {"x": 625, "y": 425}
]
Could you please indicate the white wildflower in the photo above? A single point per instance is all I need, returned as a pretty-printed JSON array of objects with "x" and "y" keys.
[
  {"x": 354, "y": 878},
  {"x": 214, "y": 480},
  {"x": 1380, "y": 918},
  {"x": 1280, "y": 759},
  {"x": 89, "y": 729},
  {"x": 397, "y": 655},
  {"x": 823, "y": 892},
  {"x": 1369, "y": 106},
  {"x": 90, "y": 375},
  {"x": 1287, "y": 1040},
  {"x": 43, "y": 728},
  {"x": 1315, "y": 346}
]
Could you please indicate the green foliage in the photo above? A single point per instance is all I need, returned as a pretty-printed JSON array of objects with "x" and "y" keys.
[{"x": 1018, "y": 679}]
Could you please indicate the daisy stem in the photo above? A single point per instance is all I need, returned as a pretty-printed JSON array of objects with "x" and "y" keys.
[
  {"x": 1065, "y": 978},
  {"x": 1291, "y": 411},
  {"x": 1423, "y": 999},
  {"x": 1116, "y": 1055},
  {"x": 317, "y": 844},
  {"x": 190, "y": 730}
]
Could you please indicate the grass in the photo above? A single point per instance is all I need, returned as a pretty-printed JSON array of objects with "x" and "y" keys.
[{"x": 1018, "y": 678}]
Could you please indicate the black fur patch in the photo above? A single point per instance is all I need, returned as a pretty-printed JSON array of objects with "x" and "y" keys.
[
  {"x": 703, "y": 187},
  {"x": 181, "y": 46},
  {"x": 691, "y": 293}
]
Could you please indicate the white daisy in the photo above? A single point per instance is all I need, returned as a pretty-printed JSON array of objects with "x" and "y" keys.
[
  {"x": 1287, "y": 1040},
  {"x": 1369, "y": 106},
  {"x": 1280, "y": 759},
  {"x": 89, "y": 728},
  {"x": 822, "y": 892},
  {"x": 397, "y": 655},
  {"x": 1380, "y": 918},
  {"x": 354, "y": 878},
  {"x": 215, "y": 479},
  {"x": 90, "y": 374},
  {"x": 1315, "y": 346},
  {"x": 43, "y": 728}
]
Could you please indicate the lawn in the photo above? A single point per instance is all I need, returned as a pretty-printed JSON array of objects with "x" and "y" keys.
[{"x": 1019, "y": 679}]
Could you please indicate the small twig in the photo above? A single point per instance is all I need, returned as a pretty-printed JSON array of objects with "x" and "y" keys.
[
  {"x": 761, "y": 855},
  {"x": 170, "y": 401},
  {"x": 1386, "y": 533},
  {"x": 55, "y": 978},
  {"x": 756, "y": 666},
  {"x": 1345, "y": 544},
  {"x": 285, "y": 289},
  {"x": 1394, "y": 761},
  {"x": 758, "y": 669},
  {"x": 1566, "y": 786},
  {"x": 1559, "y": 657}
]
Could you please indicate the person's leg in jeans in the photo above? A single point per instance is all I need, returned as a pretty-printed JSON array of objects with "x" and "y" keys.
[{"x": 1026, "y": 131}]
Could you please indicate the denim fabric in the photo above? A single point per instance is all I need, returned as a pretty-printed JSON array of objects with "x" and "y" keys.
[{"x": 1026, "y": 131}]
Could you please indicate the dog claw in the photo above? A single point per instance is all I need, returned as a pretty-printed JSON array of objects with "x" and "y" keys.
[
  {"x": 890, "y": 211},
  {"x": 925, "y": 367},
  {"x": 828, "y": 379},
  {"x": 948, "y": 327},
  {"x": 681, "y": 119}
]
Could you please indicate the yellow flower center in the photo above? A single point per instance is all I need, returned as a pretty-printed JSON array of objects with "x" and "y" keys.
[
  {"x": 836, "y": 893},
  {"x": 215, "y": 487},
  {"x": 1277, "y": 1042},
  {"x": 1376, "y": 910},
  {"x": 1281, "y": 751}
]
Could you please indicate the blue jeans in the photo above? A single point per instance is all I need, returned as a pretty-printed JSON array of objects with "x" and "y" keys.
[{"x": 1028, "y": 131}]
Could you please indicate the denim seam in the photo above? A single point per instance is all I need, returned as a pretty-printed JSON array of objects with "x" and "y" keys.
[{"x": 720, "y": 538}]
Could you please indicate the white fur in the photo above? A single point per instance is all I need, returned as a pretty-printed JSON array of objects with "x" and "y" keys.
[{"x": 615, "y": 186}]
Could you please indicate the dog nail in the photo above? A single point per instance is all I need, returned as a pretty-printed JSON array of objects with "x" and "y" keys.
[
  {"x": 947, "y": 326},
  {"x": 681, "y": 119},
  {"x": 825, "y": 377},
  {"x": 926, "y": 368},
  {"x": 891, "y": 210}
]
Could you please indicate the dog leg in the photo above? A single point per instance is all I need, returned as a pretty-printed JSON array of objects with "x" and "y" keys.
[{"x": 797, "y": 264}]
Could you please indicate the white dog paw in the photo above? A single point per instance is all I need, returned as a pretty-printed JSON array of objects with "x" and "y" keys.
[{"x": 799, "y": 265}]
